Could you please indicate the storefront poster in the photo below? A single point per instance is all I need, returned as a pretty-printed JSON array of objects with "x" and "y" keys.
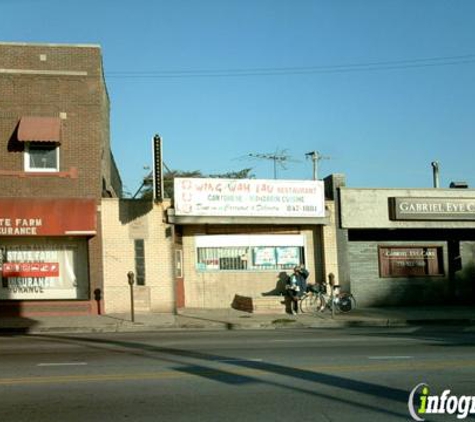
[
  {"x": 264, "y": 256},
  {"x": 43, "y": 271},
  {"x": 288, "y": 256}
]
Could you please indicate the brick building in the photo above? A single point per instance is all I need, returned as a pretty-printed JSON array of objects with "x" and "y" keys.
[{"x": 55, "y": 166}]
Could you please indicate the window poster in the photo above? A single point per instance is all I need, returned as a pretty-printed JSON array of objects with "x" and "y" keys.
[
  {"x": 46, "y": 271},
  {"x": 264, "y": 256},
  {"x": 288, "y": 256}
]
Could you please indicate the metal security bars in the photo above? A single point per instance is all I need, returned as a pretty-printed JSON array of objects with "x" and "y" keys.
[{"x": 250, "y": 258}]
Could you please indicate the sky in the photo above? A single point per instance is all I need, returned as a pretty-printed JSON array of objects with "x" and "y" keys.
[{"x": 379, "y": 88}]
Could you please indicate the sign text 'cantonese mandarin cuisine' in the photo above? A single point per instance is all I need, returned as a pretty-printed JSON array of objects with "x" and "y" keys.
[{"x": 249, "y": 197}]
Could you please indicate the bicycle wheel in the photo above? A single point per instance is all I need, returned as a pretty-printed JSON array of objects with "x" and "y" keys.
[
  {"x": 311, "y": 304},
  {"x": 346, "y": 302}
]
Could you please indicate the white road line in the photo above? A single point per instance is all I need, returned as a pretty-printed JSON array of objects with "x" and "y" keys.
[
  {"x": 63, "y": 364},
  {"x": 389, "y": 357},
  {"x": 238, "y": 360}
]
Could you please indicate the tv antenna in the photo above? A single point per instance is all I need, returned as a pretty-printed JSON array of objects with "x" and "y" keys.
[
  {"x": 278, "y": 157},
  {"x": 316, "y": 157}
]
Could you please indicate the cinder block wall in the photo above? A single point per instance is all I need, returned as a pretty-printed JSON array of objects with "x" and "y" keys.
[{"x": 124, "y": 221}]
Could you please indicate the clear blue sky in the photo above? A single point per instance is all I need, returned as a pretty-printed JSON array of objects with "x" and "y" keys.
[{"x": 382, "y": 87}]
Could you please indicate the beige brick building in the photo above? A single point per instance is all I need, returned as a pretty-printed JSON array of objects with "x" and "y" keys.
[
  {"x": 205, "y": 262},
  {"x": 138, "y": 239}
]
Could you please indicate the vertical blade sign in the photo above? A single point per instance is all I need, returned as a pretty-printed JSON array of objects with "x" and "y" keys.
[{"x": 157, "y": 169}]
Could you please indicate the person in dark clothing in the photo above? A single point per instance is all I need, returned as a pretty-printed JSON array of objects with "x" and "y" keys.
[{"x": 296, "y": 287}]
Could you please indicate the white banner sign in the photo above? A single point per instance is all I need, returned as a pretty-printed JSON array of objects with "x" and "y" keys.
[{"x": 249, "y": 197}]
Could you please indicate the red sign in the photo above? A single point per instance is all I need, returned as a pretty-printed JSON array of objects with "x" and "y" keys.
[
  {"x": 47, "y": 217},
  {"x": 30, "y": 269}
]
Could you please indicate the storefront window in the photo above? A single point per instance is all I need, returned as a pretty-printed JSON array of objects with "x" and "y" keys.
[
  {"x": 254, "y": 253},
  {"x": 42, "y": 270},
  {"x": 411, "y": 261}
]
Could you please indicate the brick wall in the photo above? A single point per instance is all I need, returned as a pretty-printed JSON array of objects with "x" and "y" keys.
[
  {"x": 126, "y": 220},
  {"x": 63, "y": 81},
  {"x": 370, "y": 289},
  {"x": 53, "y": 81}
]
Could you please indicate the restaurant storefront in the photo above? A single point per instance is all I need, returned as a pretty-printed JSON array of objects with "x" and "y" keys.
[{"x": 240, "y": 237}]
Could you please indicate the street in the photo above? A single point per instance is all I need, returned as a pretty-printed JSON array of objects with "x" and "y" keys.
[{"x": 352, "y": 374}]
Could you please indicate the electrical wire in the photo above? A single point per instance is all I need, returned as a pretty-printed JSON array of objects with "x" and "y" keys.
[{"x": 302, "y": 70}]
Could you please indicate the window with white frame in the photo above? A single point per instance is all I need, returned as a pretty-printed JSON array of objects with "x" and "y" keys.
[
  {"x": 41, "y": 156},
  {"x": 252, "y": 253}
]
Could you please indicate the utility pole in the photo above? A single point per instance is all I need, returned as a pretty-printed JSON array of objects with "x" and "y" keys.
[{"x": 315, "y": 156}]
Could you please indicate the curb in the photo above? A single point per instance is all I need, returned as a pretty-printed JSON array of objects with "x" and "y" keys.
[{"x": 197, "y": 324}]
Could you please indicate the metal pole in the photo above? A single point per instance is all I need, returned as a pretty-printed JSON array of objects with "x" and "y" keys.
[
  {"x": 315, "y": 164},
  {"x": 331, "y": 282},
  {"x": 131, "y": 281}
]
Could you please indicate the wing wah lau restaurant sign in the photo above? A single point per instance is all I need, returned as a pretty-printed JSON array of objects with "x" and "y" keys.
[
  {"x": 249, "y": 197},
  {"x": 47, "y": 217},
  {"x": 432, "y": 209}
]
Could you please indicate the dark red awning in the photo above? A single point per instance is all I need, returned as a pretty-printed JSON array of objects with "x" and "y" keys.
[{"x": 39, "y": 129}]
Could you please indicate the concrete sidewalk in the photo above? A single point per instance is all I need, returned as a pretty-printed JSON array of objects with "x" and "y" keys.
[{"x": 230, "y": 319}]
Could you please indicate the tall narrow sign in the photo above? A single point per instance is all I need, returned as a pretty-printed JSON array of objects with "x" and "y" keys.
[{"x": 157, "y": 169}]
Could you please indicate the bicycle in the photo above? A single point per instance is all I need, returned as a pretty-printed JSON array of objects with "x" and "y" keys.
[{"x": 316, "y": 300}]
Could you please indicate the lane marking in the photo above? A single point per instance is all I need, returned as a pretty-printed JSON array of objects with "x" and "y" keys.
[
  {"x": 254, "y": 372},
  {"x": 389, "y": 357},
  {"x": 62, "y": 364},
  {"x": 238, "y": 360}
]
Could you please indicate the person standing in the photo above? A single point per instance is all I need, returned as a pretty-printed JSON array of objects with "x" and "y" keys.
[{"x": 296, "y": 287}]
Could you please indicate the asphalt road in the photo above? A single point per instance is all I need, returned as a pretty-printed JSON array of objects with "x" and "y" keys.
[{"x": 284, "y": 375}]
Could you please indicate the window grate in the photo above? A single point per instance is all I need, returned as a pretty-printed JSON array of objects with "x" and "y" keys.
[{"x": 254, "y": 258}]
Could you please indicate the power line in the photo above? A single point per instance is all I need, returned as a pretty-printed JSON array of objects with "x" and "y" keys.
[{"x": 301, "y": 70}]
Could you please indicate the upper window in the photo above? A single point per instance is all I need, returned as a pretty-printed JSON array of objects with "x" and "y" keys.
[{"x": 41, "y": 157}]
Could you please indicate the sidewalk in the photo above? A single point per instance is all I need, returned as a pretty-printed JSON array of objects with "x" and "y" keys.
[{"x": 230, "y": 319}]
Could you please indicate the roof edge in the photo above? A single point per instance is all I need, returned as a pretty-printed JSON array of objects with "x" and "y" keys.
[{"x": 41, "y": 44}]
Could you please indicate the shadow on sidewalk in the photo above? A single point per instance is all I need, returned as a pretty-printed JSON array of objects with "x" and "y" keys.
[{"x": 12, "y": 321}]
